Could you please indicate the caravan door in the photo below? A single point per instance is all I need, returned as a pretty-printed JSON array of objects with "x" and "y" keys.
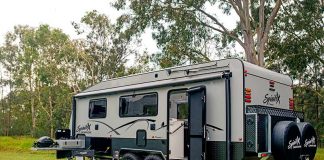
[{"x": 197, "y": 121}]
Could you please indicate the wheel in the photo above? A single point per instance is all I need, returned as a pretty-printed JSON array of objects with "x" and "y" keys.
[
  {"x": 130, "y": 156},
  {"x": 153, "y": 157},
  {"x": 286, "y": 142},
  {"x": 308, "y": 139}
]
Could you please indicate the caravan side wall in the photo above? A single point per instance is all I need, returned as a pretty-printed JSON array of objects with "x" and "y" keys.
[
  {"x": 268, "y": 89},
  {"x": 122, "y": 130}
]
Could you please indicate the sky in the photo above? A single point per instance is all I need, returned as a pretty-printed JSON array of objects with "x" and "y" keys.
[
  {"x": 56, "y": 13},
  {"x": 60, "y": 14}
]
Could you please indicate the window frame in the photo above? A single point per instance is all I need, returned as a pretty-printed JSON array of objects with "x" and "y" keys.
[
  {"x": 98, "y": 99},
  {"x": 147, "y": 93}
]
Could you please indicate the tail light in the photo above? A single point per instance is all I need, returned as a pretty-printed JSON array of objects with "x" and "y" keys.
[
  {"x": 262, "y": 155},
  {"x": 245, "y": 72},
  {"x": 271, "y": 85},
  {"x": 291, "y": 104},
  {"x": 248, "y": 95}
]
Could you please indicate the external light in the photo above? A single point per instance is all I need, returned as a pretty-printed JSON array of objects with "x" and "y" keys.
[
  {"x": 245, "y": 72},
  {"x": 271, "y": 85},
  {"x": 291, "y": 104},
  {"x": 264, "y": 155},
  {"x": 248, "y": 95}
]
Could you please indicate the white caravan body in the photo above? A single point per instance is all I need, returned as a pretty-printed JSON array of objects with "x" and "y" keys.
[{"x": 225, "y": 109}]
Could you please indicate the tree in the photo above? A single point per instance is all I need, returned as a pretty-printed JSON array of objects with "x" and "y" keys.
[
  {"x": 39, "y": 62},
  {"x": 54, "y": 49},
  {"x": 8, "y": 59},
  {"x": 187, "y": 28},
  {"x": 296, "y": 43},
  {"x": 45, "y": 69},
  {"x": 105, "y": 48},
  {"x": 296, "y": 47}
]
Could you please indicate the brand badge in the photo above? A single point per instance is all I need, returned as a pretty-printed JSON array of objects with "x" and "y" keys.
[
  {"x": 271, "y": 99},
  {"x": 83, "y": 128},
  {"x": 310, "y": 142},
  {"x": 293, "y": 144}
]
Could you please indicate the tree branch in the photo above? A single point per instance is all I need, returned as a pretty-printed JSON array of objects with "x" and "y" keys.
[
  {"x": 270, "y": 21},
  {"x": 200, "y": 53},
  {"x": 239, "y": 4},
  {"x": 224, "y": 30},
  {"x": 261, "y": 22},
  {"x": 260, "y": 33},
  {"x": 237, "y": 9}
]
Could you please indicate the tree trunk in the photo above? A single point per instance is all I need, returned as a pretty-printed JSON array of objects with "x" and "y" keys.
[
  {"x": 33, "y": 110},
  {"x": 9, "y": 107},
  {"x": 261, "y": 54},
  {"x": 249, "y": 50},
  {"x": 51, "y": 114},
  {"x": 2, "y": 118},
  {"x": 317, "y": 98}
]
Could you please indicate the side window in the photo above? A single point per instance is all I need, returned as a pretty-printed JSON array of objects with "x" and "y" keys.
[
  {"x": 140, "y": 105},
  {"x": 97, "y": 108}
]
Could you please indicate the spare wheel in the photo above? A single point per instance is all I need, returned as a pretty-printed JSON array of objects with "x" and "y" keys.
[
  {"x": 308, "y": 139},
  {"x": 286, "y": 142}
]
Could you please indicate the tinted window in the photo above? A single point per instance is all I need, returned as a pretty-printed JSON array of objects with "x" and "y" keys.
[
  {"x": 97, "y": 108},
  {"x": 138, "y": 105}
]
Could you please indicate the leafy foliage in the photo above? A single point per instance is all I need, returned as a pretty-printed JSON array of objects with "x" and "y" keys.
[
  {"x": 37, "y": 64},
  {"x": 296, "y": 47},
  {"x": 189, "y": 31},
  {"x": 105, "y": 46},
  {"x": 44, "y": 68}
]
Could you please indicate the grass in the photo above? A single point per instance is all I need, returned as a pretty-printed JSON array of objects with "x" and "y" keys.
[
  {"x": 7, "y": 155},
  {"x": 18, "y": 148},
  {"x": 319, "y": 154}
]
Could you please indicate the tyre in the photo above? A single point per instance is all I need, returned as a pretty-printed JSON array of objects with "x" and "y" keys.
[
  {"x": 153, "y": 157},
  {"x": 286, "y": 142},
  {"x": 308, "y": 140},
  {"x": 130, "y": 156}
]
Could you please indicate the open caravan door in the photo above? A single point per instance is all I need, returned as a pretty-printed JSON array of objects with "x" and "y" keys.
[{"x": 197, "y": 121}]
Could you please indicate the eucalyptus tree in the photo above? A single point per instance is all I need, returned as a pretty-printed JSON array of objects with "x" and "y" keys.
[
  {"x": 296, "y": 47},
  {"x": 53, "y": 47},
  {"x": 191, "y": 29},
  {"x": 10, "y": 53},
  {"x": 40, "y": 61},
  {"x": 106, "y": 48}
]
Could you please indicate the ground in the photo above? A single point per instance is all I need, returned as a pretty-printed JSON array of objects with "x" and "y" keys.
[{"x": 19, "y": 148}]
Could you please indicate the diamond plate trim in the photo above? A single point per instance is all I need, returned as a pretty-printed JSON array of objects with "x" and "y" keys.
[{"x": 274, "y": 111}]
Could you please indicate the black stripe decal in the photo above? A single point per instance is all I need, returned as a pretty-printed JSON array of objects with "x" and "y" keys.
[
  {"x": 112, "y": 129},
  {"x": 211, "y": 126},
  {"x": 132, "y": 123},
  {"x": 161, "y": 127}
]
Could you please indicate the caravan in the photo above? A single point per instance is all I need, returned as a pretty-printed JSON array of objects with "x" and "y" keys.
[{"x": 226, "y": 109}]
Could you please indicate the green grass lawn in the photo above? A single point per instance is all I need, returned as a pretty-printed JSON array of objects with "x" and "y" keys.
[
  {"x": 18, "y": 148},
  {"x": 8, "y": 155},
  {"x": 319, "y": 154}
]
